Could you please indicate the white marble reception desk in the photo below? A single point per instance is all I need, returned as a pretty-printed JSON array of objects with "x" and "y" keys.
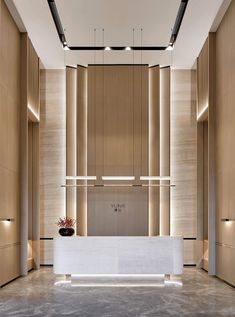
[{"x": 118, "y": 255}]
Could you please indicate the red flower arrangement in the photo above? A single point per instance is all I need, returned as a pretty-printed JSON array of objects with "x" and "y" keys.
[{"x": 66, "y": 222}]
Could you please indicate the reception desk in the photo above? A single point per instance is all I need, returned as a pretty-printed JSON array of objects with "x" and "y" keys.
[{"x": 118, "y": 255}]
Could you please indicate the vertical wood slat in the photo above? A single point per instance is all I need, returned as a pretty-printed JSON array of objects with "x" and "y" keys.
[
  {"x": 71, "y": 137},
  {"x": 154, "y": 147},
  {"x": 211, "y": 156},
  {"x": 117, "y": 145},
  {"x": 33, "y": 83},
  {"x": 203, "y": 82},
  {"x": 29, "y": 110},
  {"x": 82, "y": 148},
  {"x": 164, "y": 211},
  {"x": 36, "y": 197},
  {"x": 200, "y": 190},
  {"x": 52, "y": 156},
  {"x": 183, "y": 158},
  {"x": 24, "y": 155}
]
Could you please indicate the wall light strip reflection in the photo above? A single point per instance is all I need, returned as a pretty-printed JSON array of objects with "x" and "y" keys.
[
  {"x": 118, "y": 178},
  {"x": 83, "y": 178},
  {"x": 155, "y": 178}
]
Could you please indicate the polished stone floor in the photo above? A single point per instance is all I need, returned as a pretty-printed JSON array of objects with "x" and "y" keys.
[{"x": 43, "y": 294}]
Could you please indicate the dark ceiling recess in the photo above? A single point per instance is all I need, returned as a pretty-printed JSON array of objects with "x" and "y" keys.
[{"x": 173, "y": 37}]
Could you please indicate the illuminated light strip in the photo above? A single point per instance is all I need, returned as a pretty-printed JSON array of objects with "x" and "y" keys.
[
  {"x": 58, "y": 283},
  {"x": 118, "y": 178},
  {"x": 78, "y": 185},
  {"x": 155, "y": 178},
  {"x": 118, "y": 285},
  {"x": 119, "y": 185},
  {"x": 118, "y": 275},
  {"x": 158, "y": 185},
  {"x": 62, "y": 282},
  {"x": 33, "y": 112},
  {"x": 203, "y": 111},
  {"x": 177, "y": 283},
  {"x": 84, "y": 178}
]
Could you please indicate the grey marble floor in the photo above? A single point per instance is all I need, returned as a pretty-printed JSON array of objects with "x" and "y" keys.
[{"x": 43, "y": 294}]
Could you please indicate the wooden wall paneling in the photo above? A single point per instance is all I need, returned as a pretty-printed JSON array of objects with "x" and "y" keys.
[
  {"x": 10, "y": 64},
  {"x": 33, "y": 83},
  {"x": 144, "y": 155},
  {"x": 30, "y": 180},
  {"x": 52, "y": 154},
  {"x": 29, "y": 177},
  {"x": 211, "y": 156},
  {"x": 203, "y": 82},
  {"x": 46, "y": 252},
  {"x": 164, "y": 206},
  {"x": 36, "y": 195},
  {"x": 71, "y": 138},
  {"x": 24, "y": 154},
  {"x": 82, "y": 148},
  {"x": 225, "y": 145},
  {"x": 154, "y": 147},
  {"x": 117, "y": 134},
  {"x": 200, "y": 190},
  {"x": 183, "y": 155},
  {"x": 10, "y": 265},
  {"x": 205, "y": 180},
  {"x": 225, "y": 262},
  {"x": 118, "y": 128}
]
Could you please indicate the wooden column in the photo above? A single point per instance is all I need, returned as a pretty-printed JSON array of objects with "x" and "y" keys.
[
  {"x": 82, "y": 148},
  {"x": 24, "y": 156},
  {"x": 164, "y": 149},
  {"x": 71, "y": 138},
  {"x": 211, "y": 157},
  {"x": 30, "y": 111},
  {"x": 154, "y": 147},
  {"x": 206, "y": 69},
  {"x": 36, "y": 197}
]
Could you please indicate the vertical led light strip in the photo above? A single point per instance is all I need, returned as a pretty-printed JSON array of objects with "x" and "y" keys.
[
  {"x": 154, "y": 148},
  {"x": 82, "y": 148},
  {"x": 164, "y": 198},
  {"x": 71, "y": 138}
]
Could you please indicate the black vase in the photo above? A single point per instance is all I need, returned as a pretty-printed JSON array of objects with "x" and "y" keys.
[{"x": 66, "y": 232}]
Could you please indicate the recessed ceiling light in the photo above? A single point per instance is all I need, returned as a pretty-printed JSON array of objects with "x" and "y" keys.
[
  {"x": 128, "y": 48},
  {"x": 107, "y": 48},
  {"x": 170, "y": 47},
  {"x": 66, "y": 48}
]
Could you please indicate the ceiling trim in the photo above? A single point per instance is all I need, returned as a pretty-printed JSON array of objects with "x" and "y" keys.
[
  {"x": 173, "y": 37},
  {"x": 15, "y": 14}
]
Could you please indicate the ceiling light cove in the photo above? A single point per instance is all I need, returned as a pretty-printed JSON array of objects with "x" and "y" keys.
[{"x": 172, "y": 36}]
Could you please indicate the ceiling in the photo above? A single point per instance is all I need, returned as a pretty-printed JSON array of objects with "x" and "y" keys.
[{"x": 114, "y": 21}]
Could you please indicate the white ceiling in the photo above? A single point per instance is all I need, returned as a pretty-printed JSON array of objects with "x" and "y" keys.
[{"x": 118, "y": 18}]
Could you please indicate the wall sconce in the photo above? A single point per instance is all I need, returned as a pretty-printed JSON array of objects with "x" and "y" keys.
[
  {"x": 227, "y": 219},
  {"x": 7, "y": 219}
]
